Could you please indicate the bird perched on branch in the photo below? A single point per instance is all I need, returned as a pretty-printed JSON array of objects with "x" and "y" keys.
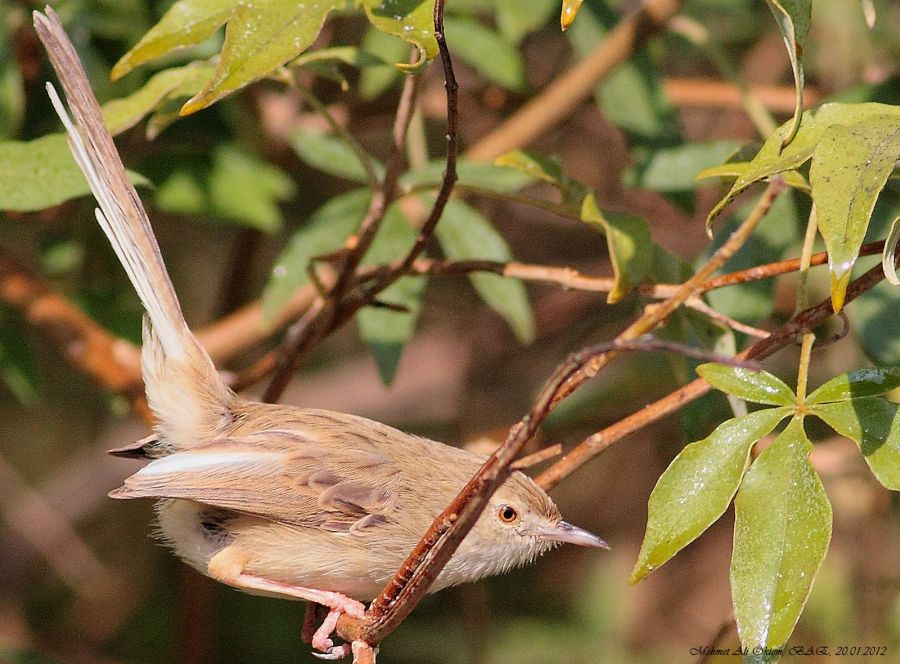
[{"x": 274, "y": 500}]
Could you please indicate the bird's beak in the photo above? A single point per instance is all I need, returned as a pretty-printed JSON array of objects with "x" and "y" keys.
[{"x": 566, "y": 532}]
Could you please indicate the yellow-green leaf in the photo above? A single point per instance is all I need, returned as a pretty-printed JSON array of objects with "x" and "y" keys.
[
  {"x": 260, "y": 38},
  {"x": 547, "y": 169},
  {"x": 629, "y": 242},
  {"x": 849, "y": 169},
  {"x": 736, "y": 169},
  {"x": 697, "y": 487},
  {"x": 411, "y": 20},
  {"x": 569, "y": 12},
  {"x": 124, "y": 113},
  {"x": 41, "y": 173},
  {"x": 772, "y": 159},
  {"x": 187, "y": 23},
  {"x": 782, "y": 530},
  {"x": 793, "y": 18}
]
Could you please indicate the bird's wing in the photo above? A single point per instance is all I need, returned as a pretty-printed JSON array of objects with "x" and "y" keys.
[{"x": 277, "y": 475}]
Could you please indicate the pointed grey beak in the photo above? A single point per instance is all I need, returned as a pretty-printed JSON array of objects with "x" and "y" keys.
[{"x": 566, "y": 532}]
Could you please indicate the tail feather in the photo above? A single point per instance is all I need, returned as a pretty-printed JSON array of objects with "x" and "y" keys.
[{"x": 183, "y": 387}]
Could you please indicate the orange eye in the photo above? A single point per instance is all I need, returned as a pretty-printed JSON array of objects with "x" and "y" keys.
[{"x": 507, "y": 514}]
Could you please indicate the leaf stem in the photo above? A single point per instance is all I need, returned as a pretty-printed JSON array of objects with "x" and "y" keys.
[{"x": 803, "y": 302}]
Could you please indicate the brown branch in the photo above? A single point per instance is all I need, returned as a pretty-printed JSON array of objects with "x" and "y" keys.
[
  {"x": 657, "y": 314},
  {"x": 783, "y": 336},
  {"x": 87, "y": 346},
  {"x": 335, "y": 311},
  {"x": 713, "y": 93},
  {"x": 449, "y": 177},
  {"x": 702, "y": 307},
  {"x": 571, "y": 279},
  {"x": 568, "y": 91}
]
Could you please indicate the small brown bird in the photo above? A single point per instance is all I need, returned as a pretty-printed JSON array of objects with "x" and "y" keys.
[{"x": 274, "y": 500}]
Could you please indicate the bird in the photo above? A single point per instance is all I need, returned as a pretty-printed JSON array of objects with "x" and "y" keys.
[{"x": 271, "y": 499}]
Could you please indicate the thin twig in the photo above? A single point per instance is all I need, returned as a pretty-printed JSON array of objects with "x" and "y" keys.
[
  {"x": 450, "y": 176},
  {"x": 335, "y": 311},
  {"x": 655, "y": 315},
  {"x": 699, "y": 305}
]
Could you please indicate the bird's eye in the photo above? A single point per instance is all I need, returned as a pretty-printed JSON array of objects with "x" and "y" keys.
[{"x": 507, "y": 514}]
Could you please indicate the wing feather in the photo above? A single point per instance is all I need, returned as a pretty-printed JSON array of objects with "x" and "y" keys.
[{"x": 277, "y": 475}]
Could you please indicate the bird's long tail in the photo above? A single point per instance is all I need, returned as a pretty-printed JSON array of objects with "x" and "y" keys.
[{"x": 183, "y": 387}]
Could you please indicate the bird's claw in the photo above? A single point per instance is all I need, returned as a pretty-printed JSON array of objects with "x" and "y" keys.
[{"x": 334, "y": 652}]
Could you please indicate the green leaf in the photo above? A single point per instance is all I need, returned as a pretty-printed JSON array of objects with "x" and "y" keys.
[
  {"x": 464, "y": 234},
  {"x": 874, "y": 425},
  {"x": 782, "y": 530},
  {"x": 374, "y": 80},
  {"x": 849, "y": 169},
  {"x": 747, "y": 384},
  {"x": 874, "y": 323},
  {"x": 41, "y": 173},
  {"x": 793, "y": 18},
  {"x": 260, "y": 38},
  {"x": 632, "y": 96},
  {"x": 772, "y": 159},
  {"x": 246, "y": 189},
  {"x": 547, "y": 169},
  {"x": 697, "y": 487},
  {"x": 736, "y": 169},
  {"x": 411, "y": 20},
  {"x": 471, "y": 174},
  {"x": 124, "y": 113},
  {"x": 385, "y": 331},
  {"x": 517, "y": 19},
  {"x": 231, "y": 184},
  {"x": 325, "y": 232},
  {"x": 331, "y": 154},
  {"x": 187, "y": 23},
  {"x": 629, "y": 243},
  {"x": 486, "y": 52},
  {"x": 861, "y": 383},
  {"x": 676, "y": 169}
]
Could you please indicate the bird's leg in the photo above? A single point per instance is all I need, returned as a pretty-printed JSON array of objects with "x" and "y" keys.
[
  {"x": 227, "y": 566},
  {"x": 321, "y": 639}
]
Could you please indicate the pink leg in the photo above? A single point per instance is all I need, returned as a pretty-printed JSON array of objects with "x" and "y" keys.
[
  {"x": 226, "y": 566},
  {"x": 334, "y": 601},
  {"x": 337, "y": 602}
]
